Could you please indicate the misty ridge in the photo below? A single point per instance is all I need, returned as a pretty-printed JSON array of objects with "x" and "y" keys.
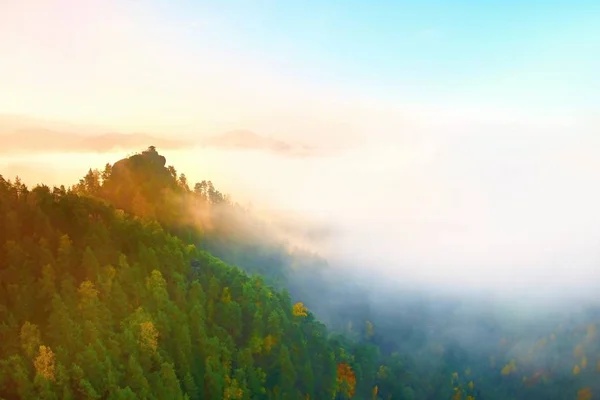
[
  {"x": 248, "y": 140},
  {"x": 22, "y": 135}
]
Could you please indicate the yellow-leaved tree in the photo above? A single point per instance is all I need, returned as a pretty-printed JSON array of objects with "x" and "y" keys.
[
  {"x": 44, "y": 363},
  {"x": 300, "y": 310},
  {"x": 509, "y": 368},
  {"x": 148, "y": 335}
]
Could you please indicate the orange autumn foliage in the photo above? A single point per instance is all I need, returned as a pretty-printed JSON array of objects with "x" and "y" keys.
[
  {"x": 148, "y": 335},
  {"x": 535, "y": 378},
  {"x": 346, "y": 380},
  {"x": 584, "y": 394},
  {"x": 375, "y": 392},
  {"x": 457, "y": 394},
  {"x": 232, "y": 389},
  {"x": 44, "y": 363}
]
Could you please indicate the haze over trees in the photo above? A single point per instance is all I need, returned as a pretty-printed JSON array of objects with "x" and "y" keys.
[{"x": 135, "y": 283}]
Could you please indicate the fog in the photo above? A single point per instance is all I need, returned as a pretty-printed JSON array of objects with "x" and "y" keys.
[{"x": 506, "y": 209}]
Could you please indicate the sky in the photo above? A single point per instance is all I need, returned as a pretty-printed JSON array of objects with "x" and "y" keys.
[
  {"x": 199, "y": 66},
  {"x": 467, "y": 131}
]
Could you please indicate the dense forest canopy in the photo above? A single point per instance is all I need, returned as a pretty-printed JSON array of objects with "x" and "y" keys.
[{"x": 135, "y": 283}]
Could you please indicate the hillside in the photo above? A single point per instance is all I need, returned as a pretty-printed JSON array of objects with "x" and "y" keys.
[
  {"x": 425, "y": 341},
  {"x": 134, "y": 283},
  {"x": 98, "y": 303}
]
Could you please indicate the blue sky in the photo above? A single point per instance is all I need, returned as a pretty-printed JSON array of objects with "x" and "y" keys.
[
  {"x": 214, "y": 65},
  {"x": 504, "y": 52}
]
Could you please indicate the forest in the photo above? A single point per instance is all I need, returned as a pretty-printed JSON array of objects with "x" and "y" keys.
[{"x": 134, "y": 283}]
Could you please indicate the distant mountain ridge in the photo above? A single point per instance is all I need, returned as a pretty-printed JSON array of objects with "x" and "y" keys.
[
  {"x": 19, "y": 134},
  {"x": 243, "y": 139},
  {"x": 45, "y": 140}
]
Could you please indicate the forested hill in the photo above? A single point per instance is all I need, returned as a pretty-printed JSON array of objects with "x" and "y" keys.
[
  {"x": 199, "y": 214},
  {"x": 100, "y": 299},
  {"x": 136, "y": 284}
]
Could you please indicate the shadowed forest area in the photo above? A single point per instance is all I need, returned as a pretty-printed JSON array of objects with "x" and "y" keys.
[{"x": 134, "y": 283}]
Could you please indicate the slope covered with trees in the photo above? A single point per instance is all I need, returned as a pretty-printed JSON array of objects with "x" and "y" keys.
[
  {"x": 98, "y": 301},
  {"x": 133, "y": 283},
  {"x": 97, "y": 304}
]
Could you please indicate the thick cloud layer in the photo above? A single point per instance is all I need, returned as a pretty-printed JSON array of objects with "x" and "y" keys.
[{"x": 509, "y": 208}]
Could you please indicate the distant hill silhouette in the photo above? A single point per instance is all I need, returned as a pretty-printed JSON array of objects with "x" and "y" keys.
[
  {"x": 45, "y": 140},
  {"x": 22, "y": 134},
  {"x": 248, "y": 140}
]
